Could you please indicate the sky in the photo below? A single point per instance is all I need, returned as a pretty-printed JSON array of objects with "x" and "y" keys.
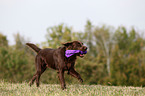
[{"x": 31, "y": 18}]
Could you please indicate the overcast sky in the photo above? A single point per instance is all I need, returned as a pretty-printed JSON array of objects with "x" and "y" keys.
[{"x": 31, "y": 18}]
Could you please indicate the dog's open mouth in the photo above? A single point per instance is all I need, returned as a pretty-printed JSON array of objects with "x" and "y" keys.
[{"x": 81, "y": 55}]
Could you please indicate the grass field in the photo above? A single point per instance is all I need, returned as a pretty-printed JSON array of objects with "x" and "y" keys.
[{"x": 22, "y": 89}]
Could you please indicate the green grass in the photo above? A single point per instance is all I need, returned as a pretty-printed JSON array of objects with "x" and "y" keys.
[{"x": 23, "y": 89}]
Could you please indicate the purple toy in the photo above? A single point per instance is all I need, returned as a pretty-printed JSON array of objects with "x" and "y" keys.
[{"x": 69, "y": 53}]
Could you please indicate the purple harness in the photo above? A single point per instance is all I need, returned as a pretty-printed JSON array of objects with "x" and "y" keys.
[{"x": 69, "y": 53}]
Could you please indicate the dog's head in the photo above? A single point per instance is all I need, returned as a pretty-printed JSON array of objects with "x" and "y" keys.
[{"x": 75, "y": 45}]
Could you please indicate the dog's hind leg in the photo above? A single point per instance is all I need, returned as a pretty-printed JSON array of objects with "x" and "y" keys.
[
  {"x": 33, "y": 79},
  {"x": 41, "y": 67},
  {"x": 39, "y": 73}
]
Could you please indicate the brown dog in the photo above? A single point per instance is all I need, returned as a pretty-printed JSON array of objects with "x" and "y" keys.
[{"x": 56, "y": 59}]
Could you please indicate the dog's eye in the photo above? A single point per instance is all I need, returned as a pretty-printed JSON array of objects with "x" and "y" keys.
[{"x": 79, "y": 44}]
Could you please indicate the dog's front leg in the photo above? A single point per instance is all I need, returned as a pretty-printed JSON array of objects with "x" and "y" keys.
[
  {"x": 61, "y": 78},
  {"x": 75, "y": 74}
]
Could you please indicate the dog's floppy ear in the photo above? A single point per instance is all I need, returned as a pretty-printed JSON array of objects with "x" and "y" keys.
[{"x": 67, "y": 44}]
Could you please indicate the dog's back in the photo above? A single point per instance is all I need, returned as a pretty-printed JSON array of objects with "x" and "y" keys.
[{"x": 47, "y": 55}]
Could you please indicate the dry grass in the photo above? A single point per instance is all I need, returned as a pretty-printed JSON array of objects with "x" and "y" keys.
[{"x": 22, "y": 89}]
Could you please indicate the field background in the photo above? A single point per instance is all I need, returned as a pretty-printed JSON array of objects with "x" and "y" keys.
[
  {"x": 22, "y": 89},
  {"x": 116, "y": 57}
]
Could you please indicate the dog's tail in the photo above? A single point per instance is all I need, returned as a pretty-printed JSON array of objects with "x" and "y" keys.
[{"x": 34, "y": 47}]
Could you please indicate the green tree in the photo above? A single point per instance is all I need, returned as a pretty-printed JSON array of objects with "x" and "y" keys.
[
  {"x": 127, "y": 63},
  {"x": 104, "y": 43},
  {"x": 16, "y": 62},
  {"x": 3, "y": 40},
  {"x": 58, "y": 34}
]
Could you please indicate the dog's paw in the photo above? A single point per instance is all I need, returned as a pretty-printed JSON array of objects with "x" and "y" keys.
[
  {"x": 64, "y": 87},
  {"x": 81, "y": 80},
  {"x": 30, "y": 84}
]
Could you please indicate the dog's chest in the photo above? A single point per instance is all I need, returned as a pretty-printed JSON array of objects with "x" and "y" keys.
[{"x": 68, "y": 65}]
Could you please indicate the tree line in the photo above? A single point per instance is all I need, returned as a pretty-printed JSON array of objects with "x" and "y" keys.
[{"x": 115, "y": 56}]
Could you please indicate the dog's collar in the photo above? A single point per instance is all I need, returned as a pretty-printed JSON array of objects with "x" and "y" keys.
[{"x": 69, "y": 53}]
